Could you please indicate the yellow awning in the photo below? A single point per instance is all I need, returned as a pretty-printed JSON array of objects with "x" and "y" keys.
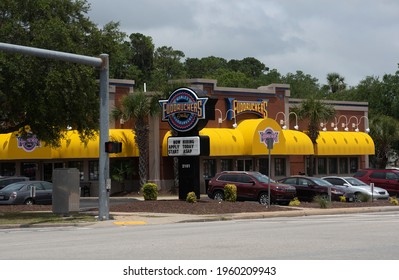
[
  {"x": 12, "y": 148},
  {"x": 72, "y": 147},
  {"x": 286, "y": 142},
  {"x": 246, "y": 140},
  {"x": 344, "y": 143}
]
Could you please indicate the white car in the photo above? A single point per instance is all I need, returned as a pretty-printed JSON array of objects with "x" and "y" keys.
[{"x": 358, "y": 187}]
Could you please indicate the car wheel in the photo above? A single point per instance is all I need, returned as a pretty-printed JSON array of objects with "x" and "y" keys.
[
  {"x": 263, "y": 199},
  {"x": 218, "y": 195},
  {"x": 29, "y": 201}
]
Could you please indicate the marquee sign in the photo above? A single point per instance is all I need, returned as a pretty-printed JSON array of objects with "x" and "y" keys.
[
  {"x": 184, "y": 146},
  {"x": 183, "y": 109},
  {"x": 258, "y": 107}
]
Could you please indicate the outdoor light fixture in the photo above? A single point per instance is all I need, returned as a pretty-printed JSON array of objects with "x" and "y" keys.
[
  {"x": 365, "y": 125},
  {"x": 344, "y": 125},
  {"x": 283, "y": 122},
  {"x": 221, "y": 119}
]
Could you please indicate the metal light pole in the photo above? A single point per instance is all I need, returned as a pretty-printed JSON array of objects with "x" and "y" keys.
[
  {"x": 101, "y": 63},
  {"x": 269, "y": 143}
]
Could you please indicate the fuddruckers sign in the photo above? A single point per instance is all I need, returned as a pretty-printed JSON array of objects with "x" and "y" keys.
[
  {"x": 183, "y": 109},
  {"x": 186, "y": 113}
]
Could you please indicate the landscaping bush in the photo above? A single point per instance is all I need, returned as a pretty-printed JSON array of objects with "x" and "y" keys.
[
  {"x": 230, "y": 192},
  {"x": 191, "y": 197},
  {"x": 294, "y": 202},
  {"x": 322, "y": 201},
  {"x": 364, "y": 197},
  {"x": 393, "y": 200},
  {"x": 342, "y": 198},
  {"x": 150, "y": 191}
]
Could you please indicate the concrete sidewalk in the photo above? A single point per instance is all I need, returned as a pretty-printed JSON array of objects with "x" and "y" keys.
[{"x": 127, "y": 219}]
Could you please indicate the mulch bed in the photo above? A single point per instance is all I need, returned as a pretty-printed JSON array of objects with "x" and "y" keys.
[{"x": 201, "y": 207}]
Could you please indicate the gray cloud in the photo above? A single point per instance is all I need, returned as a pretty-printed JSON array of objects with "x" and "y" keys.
[{"x": 352, "y": 37}]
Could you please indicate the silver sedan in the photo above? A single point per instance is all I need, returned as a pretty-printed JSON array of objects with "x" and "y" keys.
[{"x": 358, "y": 187}]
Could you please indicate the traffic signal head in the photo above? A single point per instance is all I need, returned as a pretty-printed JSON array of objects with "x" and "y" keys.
[{"x": 113, "y": 147}]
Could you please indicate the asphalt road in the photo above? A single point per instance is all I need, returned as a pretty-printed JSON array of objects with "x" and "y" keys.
[{"x": 368, "y": 236}]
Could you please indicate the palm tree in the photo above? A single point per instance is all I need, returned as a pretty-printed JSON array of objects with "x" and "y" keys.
[
  {"x": 335, "y": 82},
  {"x": 315, "y": 112},
  {"x": 384, "y": 134},
  {"x": 138, "y": 106}
]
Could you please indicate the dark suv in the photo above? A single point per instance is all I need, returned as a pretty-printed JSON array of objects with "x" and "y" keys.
[
  {"x": 250, "y": 186},
  {"x": 387, "y": 179},
  {"x": 7, "y": 180}
]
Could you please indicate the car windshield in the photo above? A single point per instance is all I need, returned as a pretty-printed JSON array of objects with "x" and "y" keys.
[
  {"x": 262, "y": 178},
  {"x": 322, "y": 182},
  {"x": 14, "y": 187},
  {"x": 355, "y": 182}
]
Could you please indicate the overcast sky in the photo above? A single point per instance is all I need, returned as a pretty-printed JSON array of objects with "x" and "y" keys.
[{"x": 355, "y": 38}]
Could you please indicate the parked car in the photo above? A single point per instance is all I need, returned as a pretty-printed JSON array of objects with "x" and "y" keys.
[
  {"x": 358, "y": 187},
  {"x": 307, "y": 188},
  {"x": 27, "y": 192},
  {"x": 251, "y": 185},
  {"x": 387, "y": 179},
  {"x": 6, "y": 180}
]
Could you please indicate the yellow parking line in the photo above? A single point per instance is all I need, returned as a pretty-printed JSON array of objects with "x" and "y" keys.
[{"x": 127, "y": 223}]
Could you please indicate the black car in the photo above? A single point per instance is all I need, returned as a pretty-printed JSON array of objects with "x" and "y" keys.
[
  {"x": 6, "y": 180},
  {"x": 309, "y": 187},
  {"x": 27, "y": 192}
]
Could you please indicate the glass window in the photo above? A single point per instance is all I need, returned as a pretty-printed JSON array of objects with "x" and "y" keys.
[
  {"x": 279, "y": 167},
  {"x": 226, "y": 164},
  {"x": 79, "y": 166},
  {"x": 332, "y": 165},
  {"x": 244, "y": 165},
  {"x": 353, "y": 164},
  {"x": 29, "y": 170},
  {"x": 321, "y": 166},
  {"x": 209, "y": 168},
  {"x": 7, "y": 169},
  {"x": 264, "y": 166},
  {"x": 93, "y": 170},
  {"x": 343, "y": 165}
]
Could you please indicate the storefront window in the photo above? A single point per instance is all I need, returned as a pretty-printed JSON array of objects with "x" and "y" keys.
[
  {"x": 264, "y": 166},
  {"x": 332, "y": 166},
  {"x": 279, "y": 167},
  {"x": 47, "y": 171},
  {"x": 79, "y": 166},
  {"x": 226, "y": 164},
  {"x": 29, "y": 170},
  {"x": 343, "y": 165},
  {"x": 244, "y": 165},
  {"x": 93, "y": 170},
  {"x": 354, "y": 164},
  {"x": 321, "y": 166},
  {"x": 209, "y": 168},
  {"x": 7, "y": 169}
]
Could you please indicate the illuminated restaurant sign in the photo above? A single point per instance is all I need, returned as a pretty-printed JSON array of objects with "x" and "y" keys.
[
  {"x": 183, "y": 109},
  {"x": 258, "y": 107},
  {"x": 268, "y": 133}
]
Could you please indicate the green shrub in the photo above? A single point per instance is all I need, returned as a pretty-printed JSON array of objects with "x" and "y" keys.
[
  {"x": 230, "y": 192},
  {"x": 364, "y": 197},
  {"x": 150, "y": 191},
  {"x": 393, "y": 200},
  {"x": 191, "y": 197},
  {"x": 294, "y": 202},
  {"x": 322, "y": 201}
]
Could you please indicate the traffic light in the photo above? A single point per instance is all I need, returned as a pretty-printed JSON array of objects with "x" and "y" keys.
[{"x": 113, "y": 147}]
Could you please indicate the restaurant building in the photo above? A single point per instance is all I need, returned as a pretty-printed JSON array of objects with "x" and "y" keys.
[{"x": 241, "y": 120}]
